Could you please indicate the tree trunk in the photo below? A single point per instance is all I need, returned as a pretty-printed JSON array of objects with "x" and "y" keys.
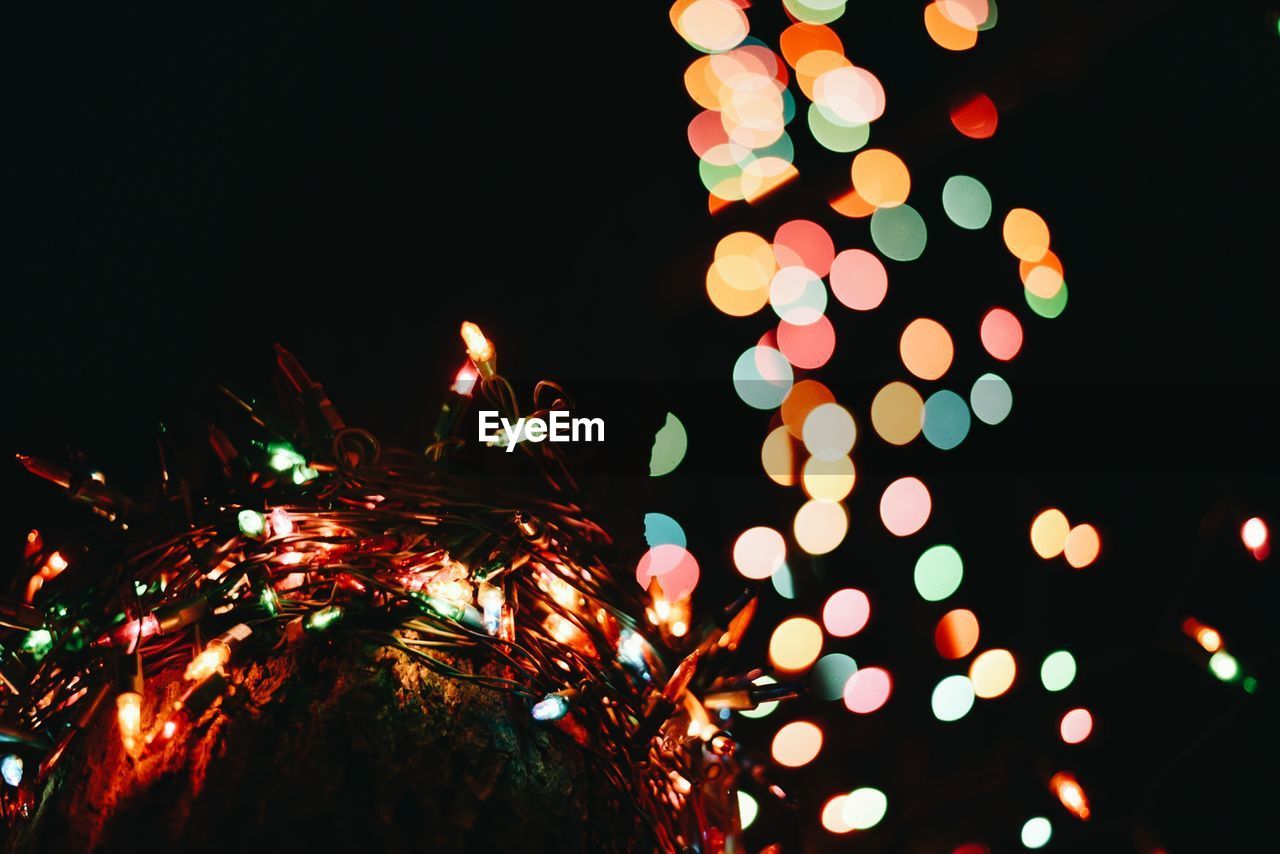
[{"x": 332, "y": 746}]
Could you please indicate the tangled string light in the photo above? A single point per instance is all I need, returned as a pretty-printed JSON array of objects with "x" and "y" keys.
[{"x": 325, "y": 533}]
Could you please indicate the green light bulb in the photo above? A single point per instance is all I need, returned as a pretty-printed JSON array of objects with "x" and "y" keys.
[
  {"x": 320, "y": 620},
  {"x": 284, "y": 457},
  {"x": 1224, "y": 665},
  {"x": 38, "y": 642}
]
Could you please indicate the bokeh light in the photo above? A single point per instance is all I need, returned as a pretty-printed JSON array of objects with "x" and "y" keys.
[
  {"x": 945, "y": 32},
  {"x": 748, "y": 809},
  {"x": 880, "y": 177},
  {"x": 926, "y": 348},
  {"x": 864, "y": 808},
  {"x": 991, "y": 399},
  {"x": 946, "y": 419},
  {"x": 1082, "y": 546},
  {"x": 1047, "y": 308},
  {"x": 815, "y": 11},
  {"x": 905, "y": 506},
  {"x": 956, "y": 634},
  {"x": 820, "y": 526},
  {"x": 830, "y": 675},
  {"x": 673, "y": 566},
  {"x": 1036, "y": 832},
  {"x": 710, "y": 25},
  {"x": 778, "y": 458},
  {"x": 670, "y": 444},
  {"x": 829, "y": 431},
  {"x": 803, "y": 243},
  {"x": 759, "y": 552},
  {"x": 766, "y": 708},
  {"x": 992, "y": 673},
  {"x": 858, "y": 279},
  {"x": 1254, "y": 534},
  {"x": 1049, "y": 533},
  {"x": 661, "y": 530},
  {"x": 966, "y": 202},
  {"x": 795, "y": 644},
  {"x": 952, "y": 698},
  {"x": 1224, "y": 666},
  {"x": 1026, "y": 234},
  {"x": 833, "y": 815},
  {"x": 807, "y": 347},
  {"x": 797, "y": 743},
  {"x": 800, "y": 401},
  {"x": 975, "y": 116},
  {"x": 1001, "y": 334},
  {"x": 897, "y": 413},
  {"x": 762, "y": 377},
  {"x": 846, "y": 612},
  {"x": 938, "y": 573},
  {"x": 783, "y": 583},
  {"x": 867, "y": 690},
  {"x": 797, "y": 295},
  {"x": 1076, "y": 726},
  {"x": 1058, "y": 670},
  {"x": 899, "y": 232},
  {"x": 828, "y": 480}
]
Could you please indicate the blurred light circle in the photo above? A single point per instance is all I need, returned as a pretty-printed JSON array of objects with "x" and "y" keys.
[
  {"x": 1043, "y": 281},
  {"x": 956, "y": 634},
  {"x": 1254, "y": 533},
  {"x": 669, "y": 446},
  {"x": 795, "y": 644},
  {"x": 800, "y": 401},
  {"x": 846, "y": 612},
  {"x": 807, "y": 347},
  {"x": 1026, "y": 234},
  {"x": 802, "y": 243},
  {"x": 815, "y": 11},
  {"x": 1082, "y": 546},
  {"x": 778, "y": 458},
  {"x": 783, "y": 583},
  {"x": 1047, "y": 308},
  {"x": 820, "y": 526},
  {"x": 899, "y": 232},
  {"x": 867, "y": 690},
  {"x": 858, "y": 279},
  {"x": 971, "y": 14},
  {"x": 801, "y": 38},
  {"x": 1076, "y": 726},
  {"x": 797, "y": 743},
  {"x": 938, "y": 573},
  {"x": 1050, "y": 260},
  {"x": 952, "y": 698},
  {"x": 828, "y": 480},
  {"x": 864, "y": 808},
  {"x": 768, "y": 706},
  {"x": 975, "y": 116},
  {"x": 966, "y": 202},
  {"x": 1001, "y": 334},
  {"x": 848, "y": 95},
  {"x": 850, "y": 204},
  {"x": 830, "y": 674},
  {"x": 1036, "y": 832},
  {"x": 881, "y": 177},
  {"x": 1049, "y": 533},
  {"x": 797, "y": 295},
  {"x": 829, "y": 431},
  {"x": 833, "y": 815},
  {"x": 926, "y": 348},
  {"x": 733, "y": 301},
  {"x": 835, "y": 136},
  {"x": 674, "y": 568},
  {"x": 991, "y": 399},
  {"x": 905, "y": 506},
  {"x": 711, "y": 25},
  {"x": 813, "y": 65},
  {"x": 1058, "y": 670},
  {"x": 748, "y": 809},
  {"x": 759, "y": 552},
  {"x": 762, "y": 377},
  {"x": 946, "y": 33},
  {"x": 661, "y": 530},
  {"x": 897, "y": 413},
  {"x": 946, "y": 419},
  {"x": 992, "y": 673}
]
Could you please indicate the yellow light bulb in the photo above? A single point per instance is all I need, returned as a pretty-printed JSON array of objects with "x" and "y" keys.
[
  {"x": 208, "y": 662},
  {"x": 129, "y": 716},
  {"x": 479, "y": 348}
]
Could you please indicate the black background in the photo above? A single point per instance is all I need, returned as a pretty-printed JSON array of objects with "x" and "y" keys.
[{"x": 189, "y": 187}]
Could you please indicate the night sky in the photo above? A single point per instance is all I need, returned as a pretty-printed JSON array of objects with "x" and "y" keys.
[{"x": 194, "y": 186}]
